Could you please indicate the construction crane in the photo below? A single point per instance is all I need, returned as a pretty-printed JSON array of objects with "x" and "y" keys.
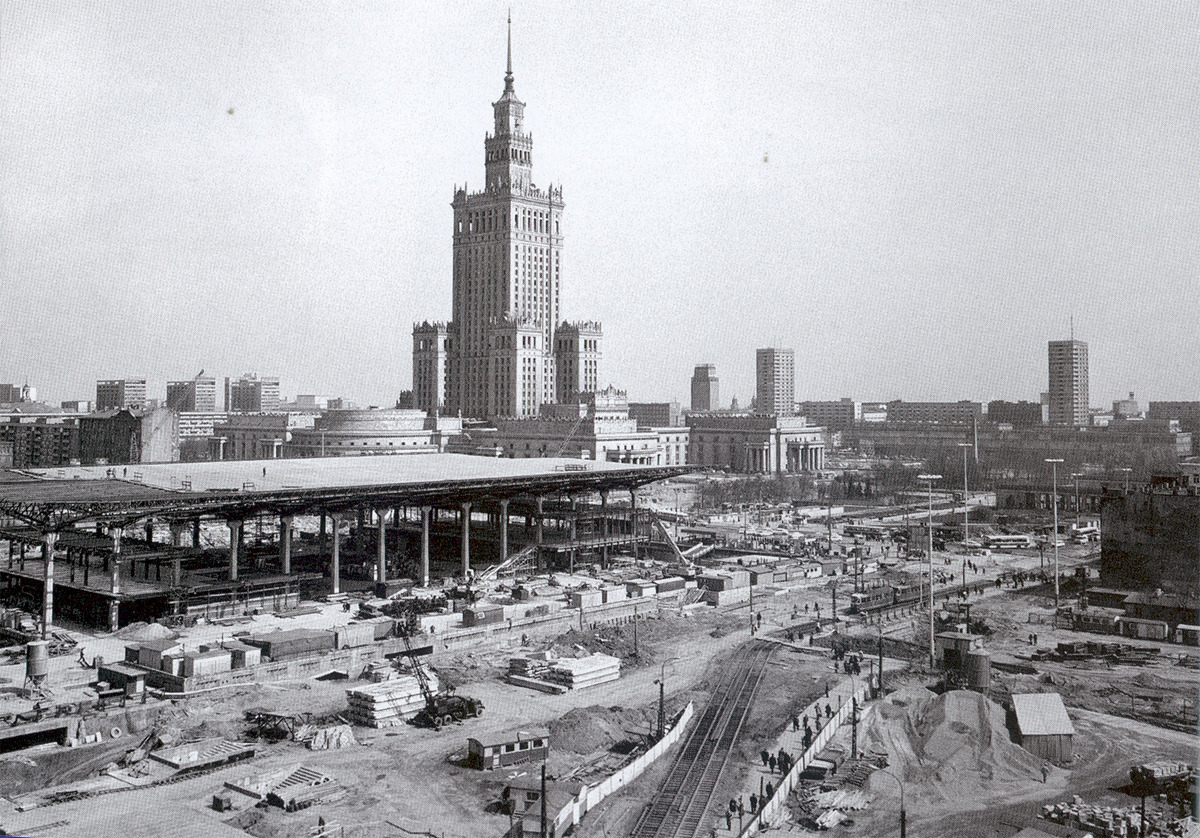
[
  {"x": 563, "y": 447},
  {"x": 440, "y": 708}
]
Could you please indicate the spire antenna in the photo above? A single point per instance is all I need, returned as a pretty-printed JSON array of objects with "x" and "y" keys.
[{"x": 508, "y": 75}]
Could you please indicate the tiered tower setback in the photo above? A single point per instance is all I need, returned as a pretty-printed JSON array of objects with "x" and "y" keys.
[{"x": 501, "y": 357}]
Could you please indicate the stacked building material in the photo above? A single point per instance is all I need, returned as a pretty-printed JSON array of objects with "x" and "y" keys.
[
  {"x": 578, "y": 673},
  {"x": 387, "y": 703},
  {"x": 533, "y": 671}
]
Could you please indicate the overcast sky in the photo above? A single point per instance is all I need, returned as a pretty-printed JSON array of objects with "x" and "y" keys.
[{"x": 915, "y": 196}]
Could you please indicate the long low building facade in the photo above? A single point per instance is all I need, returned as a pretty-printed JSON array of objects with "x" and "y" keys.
[{"x": 752, "y": 443}]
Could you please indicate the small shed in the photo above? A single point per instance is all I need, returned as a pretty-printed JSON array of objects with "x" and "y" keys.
[
  {"x": 124, "y": 677},
  {"x": 1043, "y": 726},
  {"x": 510, "y": 749}
]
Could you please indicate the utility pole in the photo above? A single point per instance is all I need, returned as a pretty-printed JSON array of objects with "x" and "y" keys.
[
  {"x": 542, "y": 833},
  {"x": 929, "y": 478},
  {"x": 964, "y": 446},
  {"x": 881, "y": 659},
  {"x": 1054, "y": 463},
  {"x": 854, "y": 727}
]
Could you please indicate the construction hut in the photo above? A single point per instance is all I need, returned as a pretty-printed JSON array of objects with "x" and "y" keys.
[
  {"x": 522, "y": 746},
  {"x": 523, "y": 796},
  {"x": 1043, "y": 726}
]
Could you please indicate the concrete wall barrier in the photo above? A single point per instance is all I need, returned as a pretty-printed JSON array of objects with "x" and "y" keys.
[{"x": 590, "y": 796}]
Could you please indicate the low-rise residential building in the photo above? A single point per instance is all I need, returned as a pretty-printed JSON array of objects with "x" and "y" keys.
[
  {"x": 834, "y": 415},
  {"x": 941, "y": 413},
  {"x": 129, "y": 435},
  {"x": 1020, "y": 414},
  {"x": 40, "y": 440},
  {"x": 656, "y": 414}
]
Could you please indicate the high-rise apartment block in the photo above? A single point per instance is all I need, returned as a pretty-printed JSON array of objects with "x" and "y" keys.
[
  {"x": 116, "y": 394},
  {"x": 1068, "y": 382},
  {"x": 196, "y": 396},
  {"x": 502, "y": 356},
  {"x": 251, "y": 394},
  {"x": 776, "y": 382},
  {"x": 705, "y": 390}
]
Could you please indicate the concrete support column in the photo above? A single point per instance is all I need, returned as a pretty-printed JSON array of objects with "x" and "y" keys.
[
  {"x": 177, "y": 528},
  {"x": 115, "y": 563},
  {"x": 196, "y": 533},
  {"x": 426, "y": 514},
  {"x": 604, "y": 533},
  {"x": 504, "y": 530},
  {"x": 538, "y": 557},
  {"x": 48, "y": 541},
  {"x": 335, "y": 553},
  {"x": 633, "y": 521},
  {"x": 235, "y": 545},
  {"x": 466, "y": 540},
  {"x": 285, "y": 544},
  {"x": 381, "y": 547}
]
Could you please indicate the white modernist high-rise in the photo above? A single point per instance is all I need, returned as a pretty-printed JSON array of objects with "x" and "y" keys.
[
  {"x": 775, "y": 379},
  {"x": 499, "y": 354},
  {"x": 1068, "y": 382}
]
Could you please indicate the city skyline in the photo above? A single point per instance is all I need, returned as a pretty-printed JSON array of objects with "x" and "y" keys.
[{"x": 270, "y": 191}]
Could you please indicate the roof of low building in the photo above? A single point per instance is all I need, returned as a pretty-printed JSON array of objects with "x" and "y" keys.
[
  {"x": 1042, "y": 714},
  {"x": 1192, "y": 602}
]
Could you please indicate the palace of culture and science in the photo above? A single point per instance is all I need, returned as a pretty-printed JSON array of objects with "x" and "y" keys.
[{"x": 505, "y": 353}]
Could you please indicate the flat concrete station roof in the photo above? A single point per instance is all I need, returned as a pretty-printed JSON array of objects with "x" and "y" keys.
[{"x": 57, "y": 498}]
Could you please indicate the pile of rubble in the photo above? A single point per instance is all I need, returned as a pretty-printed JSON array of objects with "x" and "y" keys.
[{"x": 1116, "y": 822}]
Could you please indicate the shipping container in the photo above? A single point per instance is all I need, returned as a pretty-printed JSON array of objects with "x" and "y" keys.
[
  {"x": 353, "y": 635},
  {"x": 586, "y": 599},
  {"x": 484, "y": 615},
  {"x": 669, "y": 585}
]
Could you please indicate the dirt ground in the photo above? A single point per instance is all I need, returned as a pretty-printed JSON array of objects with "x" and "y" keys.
[{"x": 1105, "y": 748}]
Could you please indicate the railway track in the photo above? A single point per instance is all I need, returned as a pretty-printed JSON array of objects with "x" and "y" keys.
[{"x": 678, "y": 809}]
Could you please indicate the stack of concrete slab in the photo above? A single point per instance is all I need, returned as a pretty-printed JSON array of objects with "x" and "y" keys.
[
  {"x": 533, "y": 670},
  {"x": 578, "y": 673},
  {"x": 387, "y": 703}
]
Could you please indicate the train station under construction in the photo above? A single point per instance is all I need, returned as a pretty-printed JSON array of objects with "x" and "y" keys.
[{"x": 107, "y": 548}]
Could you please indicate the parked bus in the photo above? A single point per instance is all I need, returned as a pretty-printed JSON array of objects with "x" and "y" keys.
[
  {"x": 870, "y": 531},
  {"x": 1008, "y": 542}
]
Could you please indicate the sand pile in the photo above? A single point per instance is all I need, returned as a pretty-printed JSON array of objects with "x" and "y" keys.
[
  {"x": 951, "y": 747},
  {"x": 586, "y": 730},
  {"x": 146, "y": 631}
]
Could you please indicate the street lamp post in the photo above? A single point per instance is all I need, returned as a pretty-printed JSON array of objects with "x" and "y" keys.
[
  {"x": 1076, "y": 477},
  {"x": 1054, "y": 462},
  {"x": 964, "y": 446},
  {"x": 929, "y": 478},
  {"x": 903, "y": 816}
]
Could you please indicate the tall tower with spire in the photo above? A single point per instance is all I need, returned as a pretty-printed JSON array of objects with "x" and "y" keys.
[{"x": 501, "y": 355}]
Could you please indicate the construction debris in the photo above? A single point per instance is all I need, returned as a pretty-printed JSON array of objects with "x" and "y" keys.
[
  {"x": 1115, "y": 822},
  {"x": 331, "y": 738}
]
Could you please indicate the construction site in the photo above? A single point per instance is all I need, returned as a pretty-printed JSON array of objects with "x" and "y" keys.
[{"x": 450, "y": 645}]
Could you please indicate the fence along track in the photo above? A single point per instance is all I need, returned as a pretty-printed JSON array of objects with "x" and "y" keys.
[{"x": 678, "y": 808}]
